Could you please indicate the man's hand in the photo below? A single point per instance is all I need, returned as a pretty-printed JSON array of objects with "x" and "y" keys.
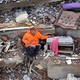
[{"x": 28, "y": 42}]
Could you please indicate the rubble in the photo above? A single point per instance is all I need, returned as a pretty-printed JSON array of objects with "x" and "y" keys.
[
  {"x": 12, "y": 64},
  {"x": 20, "y": 73},
  {"x": 41, "y": 15},
  {"x": 70, "y": 77},
  {"x": 42, "y": 12},
  {"x": 9, "y": 55},
  {"x": 9, "y": 1},
  {"x": 25, "y": 77}
]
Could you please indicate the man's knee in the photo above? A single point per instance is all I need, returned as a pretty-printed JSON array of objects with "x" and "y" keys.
[
  {"x": 30, "y": 50},
  {"x": 38, "y": 46}
]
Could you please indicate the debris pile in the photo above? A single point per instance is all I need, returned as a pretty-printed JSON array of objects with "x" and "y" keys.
[
  {"x": 20, "y": 72},
  {"x": 9, "y": 1},
  {"x": 13, "y": 66},
  {"x": 9, "y": 52},
  {"x": 70, "y": 77},
  {"x": 67, "y": 60},
  {"x": 41, "y": 14}
]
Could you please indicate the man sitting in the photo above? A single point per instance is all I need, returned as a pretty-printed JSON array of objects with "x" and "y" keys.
[{"x": 31, "y": 41}]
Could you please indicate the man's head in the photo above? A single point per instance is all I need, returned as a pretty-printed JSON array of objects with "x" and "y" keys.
[{"x": 33, "y": 30}]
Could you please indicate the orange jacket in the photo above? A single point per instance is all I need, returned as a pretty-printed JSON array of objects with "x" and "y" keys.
[{"x": 29, "y": 40}]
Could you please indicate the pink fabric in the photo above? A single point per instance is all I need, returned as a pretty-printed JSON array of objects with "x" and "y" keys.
[{"x": 54, "y": 46}]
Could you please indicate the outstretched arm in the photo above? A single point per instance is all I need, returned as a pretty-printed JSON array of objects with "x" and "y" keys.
[{"x": 42, "y": 37}]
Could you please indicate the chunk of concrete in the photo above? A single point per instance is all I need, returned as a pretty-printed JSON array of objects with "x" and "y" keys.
[{"x": 60, "y": 71}]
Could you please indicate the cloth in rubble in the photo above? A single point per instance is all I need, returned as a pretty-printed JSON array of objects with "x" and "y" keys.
[{"x": 54, "y": 46}]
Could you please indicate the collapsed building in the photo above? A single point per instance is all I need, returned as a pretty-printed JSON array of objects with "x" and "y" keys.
[{"x": 50, "y": 18}]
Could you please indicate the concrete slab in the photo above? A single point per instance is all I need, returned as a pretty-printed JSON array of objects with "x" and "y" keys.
[{"x": 61, "y": 71}]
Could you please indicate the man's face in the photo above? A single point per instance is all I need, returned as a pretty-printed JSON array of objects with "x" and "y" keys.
[{"x": 33, "y": 31}]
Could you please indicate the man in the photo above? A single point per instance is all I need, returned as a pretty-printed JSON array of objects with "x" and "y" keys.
[{"x": 31, "y": 41}]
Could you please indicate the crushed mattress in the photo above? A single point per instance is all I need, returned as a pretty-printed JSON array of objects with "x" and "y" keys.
[
  {"x": 68, "y": 20},
  {"x": 62, "y": 40}
]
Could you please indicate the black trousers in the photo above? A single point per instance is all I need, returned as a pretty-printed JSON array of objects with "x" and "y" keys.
[{"x": 33, "y": 50}]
